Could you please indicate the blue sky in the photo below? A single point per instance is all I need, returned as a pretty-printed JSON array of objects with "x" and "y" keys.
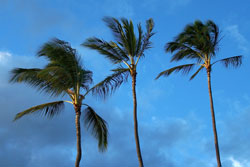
[{"x": 174, "y": 116}]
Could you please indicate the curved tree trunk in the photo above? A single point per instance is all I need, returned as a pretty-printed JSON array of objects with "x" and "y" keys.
[
  {"x": 78, "y": 136},
  {"x": 135, "y": 121},
  {"x": 213, "y": 119}
]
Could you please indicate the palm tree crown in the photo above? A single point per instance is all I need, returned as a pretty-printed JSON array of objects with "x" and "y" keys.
[
  {"x": 64, "y": 74},
  {"x": 126, "y": 53},
  {"x": 198, "y": 42}
]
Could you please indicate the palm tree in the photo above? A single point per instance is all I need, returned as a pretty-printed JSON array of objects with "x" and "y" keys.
[
  {"x": 63, "y": 75},
  {"x": 126, "y": 53},
  {"x": 199, "y": 42}
]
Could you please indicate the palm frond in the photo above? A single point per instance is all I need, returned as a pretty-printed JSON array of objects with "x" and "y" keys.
[
  {"x": 98, "y": 127},
  {"x": 42, "y": 79},
  {"x": 31, "y": 77},
  {"x": 47, "y": 109},
  {"x": 184, "y": 68},
  {"x": 182, "y": 51},
  {"x": 147, "y": 44},
  {"x": 214, "y": 32},
  {"x": 192, "y": 77},
  {"x": 234, "y": 61},
  {"x": 139, "y": 39},
  {"x": 57, "y": 77},
  {"x": 57, "y": 50},
  {"x": 128, "y": 28},
  {"x": 108, "y": 49},
  {"x": 85, "y": 78},
  {"x": 117, "y": 30},
  {"x": 111, "y": 83},
  {"x": 25, "y": 75}
]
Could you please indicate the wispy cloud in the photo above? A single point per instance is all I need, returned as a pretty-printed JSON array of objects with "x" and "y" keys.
[
  {"x": 118, "y": 8},
  {"x": 233, "y": 31},
  {"x": 176, "y": 3},
  {"x": 169, "y": 5},
  {"x": 4, "y": 56},
  {"x": 235, "y": 163}
]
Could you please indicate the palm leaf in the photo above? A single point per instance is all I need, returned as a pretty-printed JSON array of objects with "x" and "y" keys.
[
  {"x": 47, "y": 109},
  {"x": 130, "y": 37},
  {"x": 57, "y": 50},
  {"x": 234, "y": 61},
  {"x": 60, "y": 53},
  {"x": 105, "y": 48},
  {"x": 182, "y": 51},
  {"x": 85, "y": 78},
  {"x": 111, "y": 83},
  {"x": 214, "y": 29},
  {"x": 147, "y": 44},
  {"x": 98, "y": 127},
  {"x": 192, "y": 77},
  {"x": 139, "y": 40},
  {"x": 30, "y": 76},
  {"x": 58, "y": 79},
  {"x": 184, "y": 68},
  {"x": 25, "y": 75},
  {"x": 118, "y": 31},
  {"x": 42, "y": 79}
]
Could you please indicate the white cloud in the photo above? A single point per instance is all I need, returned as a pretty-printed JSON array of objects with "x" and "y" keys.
[
  {"x": 233, "y": 31},
  {"x": 4, "y": 56},
  {"x": 235, "y": 163}
]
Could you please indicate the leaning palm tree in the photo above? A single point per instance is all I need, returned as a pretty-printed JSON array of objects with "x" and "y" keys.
[
  {"x": 126, "y": 53},
  {"x": 199, "y": 42},
  {"x": 64, "y": 74}
]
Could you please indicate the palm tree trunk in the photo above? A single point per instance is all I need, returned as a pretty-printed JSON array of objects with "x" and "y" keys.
[
  {"x": 78, "y": 135},
  {"x": 213, "y": 119},
  {"x": 135, "y": 121}
]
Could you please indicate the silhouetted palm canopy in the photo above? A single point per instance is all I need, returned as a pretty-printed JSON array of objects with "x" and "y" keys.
[
  {"x": 199, "y": 43},
  {"x": 125, "y": 52},
  {"x": 63, "y": 75}
]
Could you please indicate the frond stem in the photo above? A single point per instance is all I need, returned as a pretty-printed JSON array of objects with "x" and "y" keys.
[{"x": 68, "y": 101}]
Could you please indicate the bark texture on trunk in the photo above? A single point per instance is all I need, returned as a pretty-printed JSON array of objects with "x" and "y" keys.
[
  {"x": 138, "y": 149},
  {"x": 213, "y": 120},
  {"x": 78, "y": 136}
]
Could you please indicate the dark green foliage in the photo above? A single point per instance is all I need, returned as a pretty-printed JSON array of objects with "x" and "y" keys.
[
  {"x": 113, "y": 52},
  {"x": 127, "y": 50},
  {"x": 235, "y": 61},
  {"x": 47, "y": 109},
  {"x": 98, "y": 127},
  {"x": 184, "y": 68},
  {"x": 199, "y": 42},
  {"x": 63, "y": 71},
  {"x": 64, "y": 59},
  {"x": 111, "y": 83}
]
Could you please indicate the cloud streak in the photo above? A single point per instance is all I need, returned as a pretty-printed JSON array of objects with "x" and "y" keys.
[
  {"x": 233, "y": 32},
  {"x": 4, "y": 57}
]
